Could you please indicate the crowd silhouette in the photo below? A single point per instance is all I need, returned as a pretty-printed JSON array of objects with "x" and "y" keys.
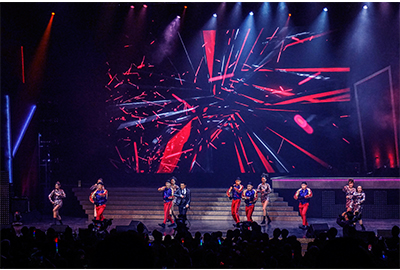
[{"x": 245, "y": 247}]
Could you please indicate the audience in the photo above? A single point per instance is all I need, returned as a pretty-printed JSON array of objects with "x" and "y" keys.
[{"x": 245, "y": 247}]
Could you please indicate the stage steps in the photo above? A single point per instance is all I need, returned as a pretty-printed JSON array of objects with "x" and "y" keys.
[{"x": 126, "y": 204}]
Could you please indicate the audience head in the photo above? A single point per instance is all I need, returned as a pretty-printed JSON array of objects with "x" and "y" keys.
[
  {"x": 395, "y": 231},
  {"x": 284, "y": 233},
  {"x": 276, "y": 233}
]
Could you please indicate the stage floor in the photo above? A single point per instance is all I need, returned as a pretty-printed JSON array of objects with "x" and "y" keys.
[{"x": 223, "y": 226}]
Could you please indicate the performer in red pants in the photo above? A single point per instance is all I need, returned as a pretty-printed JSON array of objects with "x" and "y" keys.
[
  {"x": 235, "y": 194},
  {"x": 100, "y": 197},
  {"x": 168, "y": 196},
  {"x": 303, "y": 195},
  {"x": 250, "y": 198}
]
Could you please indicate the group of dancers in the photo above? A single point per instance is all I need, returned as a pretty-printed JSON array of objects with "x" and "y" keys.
[
  {"x": 98, "y": 197},
  {"x": 250, "y": 196},
  {"x": 181, "y": 196},
  {"x": 236, "y": 193},
  {"x": 175, "y": 195},
  {"x": 355, "y": 197}
]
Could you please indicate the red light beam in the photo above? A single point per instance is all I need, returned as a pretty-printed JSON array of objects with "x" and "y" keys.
[
  {"x": 264, "y": 161},
  {"x": 309, "y": 78},
  {"x": 239, "y": 160},
  {"x": 320, "y": 161}
]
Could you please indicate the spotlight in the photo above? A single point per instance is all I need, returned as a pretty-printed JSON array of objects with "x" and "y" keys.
[
  {"x": 178, "y": 17},
  {"x": 215, "y": 15},
  {"x": 365, "y": 7},
  {"x": 132, "y": 7},
  {"x": 251, "y": 13},
  {"x": 290, "y": 14},
  {"x": 145, "y": 6},
  {"x": 53, "y": 13},
  {"x": 325, "y": 9},
  {"x": 185, "y": 7}
]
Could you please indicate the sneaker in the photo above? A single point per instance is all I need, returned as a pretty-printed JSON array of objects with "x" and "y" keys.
[
  {"x": 162, "y": 225},
  {"x": 303, "y": 227},
  {"x": 173, "y": 225}
]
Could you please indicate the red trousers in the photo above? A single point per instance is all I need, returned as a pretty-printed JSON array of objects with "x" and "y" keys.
[
  {"x": 303, "y": 211},
  {"x": 167, "y": 208},
  {"x": 235, "y": 210},
  {"x": 249, "y": 212},
  {"x": 99, "y": 212}
]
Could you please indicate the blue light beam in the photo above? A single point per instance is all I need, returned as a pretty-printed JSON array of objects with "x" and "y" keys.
[
  {"x": 21, "y": 135},
  {"x": 10, "y": 178}
]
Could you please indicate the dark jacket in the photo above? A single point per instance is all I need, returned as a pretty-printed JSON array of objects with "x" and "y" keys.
[{"x": 185, "y": 200}]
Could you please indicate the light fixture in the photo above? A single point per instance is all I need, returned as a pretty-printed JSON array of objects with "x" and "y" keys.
[
  {"x": 325, "y": 9},
  {"x": 365, "y": 7},
  {"x": 215, "y": 15}
]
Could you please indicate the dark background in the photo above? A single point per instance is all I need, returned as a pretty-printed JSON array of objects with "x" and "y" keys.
[{"x": 71, "y": 108}]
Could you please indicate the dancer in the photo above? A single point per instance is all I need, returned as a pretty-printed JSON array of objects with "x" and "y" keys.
[
  {"x": 57, "y": 202},
  {"x": 168, "y": 196},
  {"x": 358, "y": 200},
  {"x": 250, "y": 199},
  {"x": 174, "y": 187},
  {"x": 235, "y": 194},
  {"x": 94, "y": 188},
  {"x": 99, "y": 197},
  {"x": 303, "y": 195},
  {"x": 183, "y": 196},
  {"x": 265, "y": 189},
  {"x": 349, "y": 190}
]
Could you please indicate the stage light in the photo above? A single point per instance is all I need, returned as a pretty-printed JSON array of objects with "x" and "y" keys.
[
  {"x": 21, "y": 135},
  {"x": 53, "y": 13},
  {"x": 215, "y": 15},
  {"x": 132, "y": 7},
  {"x": 185, "y": 7},
  {"x": 145, "y": 6},
  {"x": 251, "y": 13},
  {"x": 290, "y": 14},
  {"x": 9, "y": 157},
  {"x": 325, "y": 9},
  {"x": 178, "y": 17},
  {"x": 365, "y": 7}
]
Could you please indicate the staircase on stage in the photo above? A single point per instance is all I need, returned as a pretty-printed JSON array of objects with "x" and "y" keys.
[{"x": 208, "y": 204}]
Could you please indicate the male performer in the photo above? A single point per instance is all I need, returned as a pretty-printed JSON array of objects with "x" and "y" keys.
[
  {"x": 265, "y": 189},
  {"x": 236, "y": 190},
  {"x": 100, "y": 197},
  {"x": 303, "y": 195},
  {"x": 250, "y": 198},
  {"x": 183, "y": 200},
  {"x": 358, "y": 200},
  {"x": 168, "y": 196},
  {"x": 349, "y": 190},
  {"x": 94, "y": 188},
  {"x": 58, "y": 194}
]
